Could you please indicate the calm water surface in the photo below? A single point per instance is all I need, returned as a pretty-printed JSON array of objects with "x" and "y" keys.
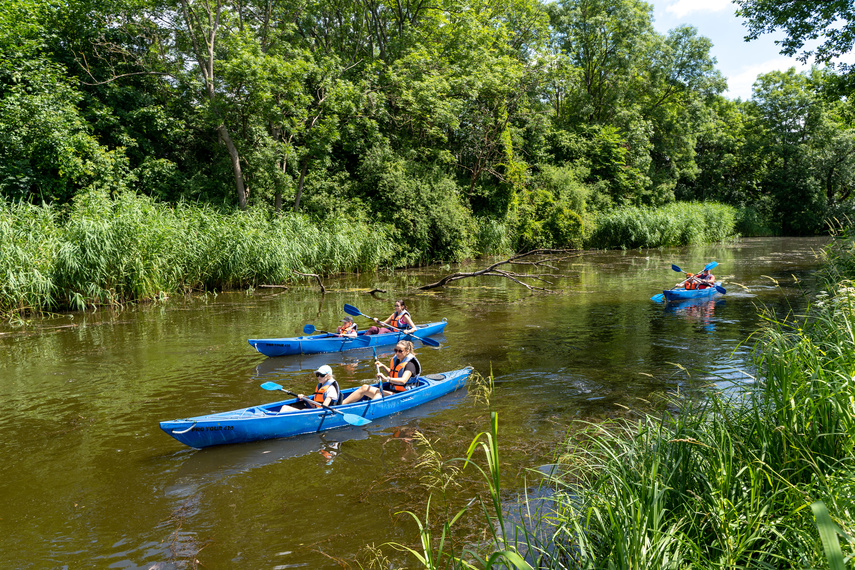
[{"x": 89, "y": 481}]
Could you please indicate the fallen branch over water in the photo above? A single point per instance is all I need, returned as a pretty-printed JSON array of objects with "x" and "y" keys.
[
  {"x": 316, "y": 276},
  {"x": 493, "y": 270}
]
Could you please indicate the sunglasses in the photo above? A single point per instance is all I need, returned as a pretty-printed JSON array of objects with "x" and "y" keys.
[
  {"x": 318, "y": 374},
  {"x": 399, "y": 350}
]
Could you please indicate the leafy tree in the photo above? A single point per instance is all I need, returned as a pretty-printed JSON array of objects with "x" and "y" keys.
[
  {"x": 832, "y": 21},
  {"x": 47, "y": 151}
]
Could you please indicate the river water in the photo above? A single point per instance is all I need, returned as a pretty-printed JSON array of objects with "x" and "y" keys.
[{"x": 89, "y": 481}]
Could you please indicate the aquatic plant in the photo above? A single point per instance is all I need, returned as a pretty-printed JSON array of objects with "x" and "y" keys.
[
  {"x": 29, "y": 239},
  {"x": 728, "y": 482},
  {"x": 679, "y": 223},
  {"x": 438, "y": 552},
  {"x": 112, "y": 250}
]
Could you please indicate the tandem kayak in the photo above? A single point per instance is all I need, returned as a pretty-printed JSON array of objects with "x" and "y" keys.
[
  {"x": 268, "y": 422},
  {"x": 316, "y": 344},
  {"x": 683, "y": 294}
]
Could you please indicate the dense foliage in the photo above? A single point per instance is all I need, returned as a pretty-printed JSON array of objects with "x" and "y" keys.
[{"x": 451, "y": 123}]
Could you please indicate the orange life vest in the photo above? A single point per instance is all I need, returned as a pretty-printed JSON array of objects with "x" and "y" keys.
[
  {"x": 347, "y": 329},
  {"x": 397, "y": 371},
  {"x": 322, "y": 388},
  {"x": 690, "y": 283},
  {"x": 397, "y": 319}
]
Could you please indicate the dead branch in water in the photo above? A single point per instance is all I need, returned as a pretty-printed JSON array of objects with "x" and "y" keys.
[
  {"x": 316, "y": 276},
  {"x": 493, "y": 270}
]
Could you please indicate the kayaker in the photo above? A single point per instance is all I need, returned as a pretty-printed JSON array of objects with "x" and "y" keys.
[
  {"x": 327, "y": 392},
  {"x": 347, "y": 328},
  {"x": 702, "y": 280},
  {"x": 399, "y": 319},
  {"x": 403, "y": 370}
]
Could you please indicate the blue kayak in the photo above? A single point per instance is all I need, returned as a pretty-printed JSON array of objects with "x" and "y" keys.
[
  {"x": 267, "y": 421},
  {"x": 319, "y": 343},
  {"x": 682, "y": 294}
]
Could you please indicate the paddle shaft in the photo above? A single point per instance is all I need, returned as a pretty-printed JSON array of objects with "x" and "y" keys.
[{"x": 376, "y": 369}]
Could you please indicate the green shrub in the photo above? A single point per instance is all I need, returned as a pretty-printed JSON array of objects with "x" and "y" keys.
[{"x": 422, "y": 205}]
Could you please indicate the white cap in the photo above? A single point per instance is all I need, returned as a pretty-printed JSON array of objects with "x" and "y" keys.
[{"x": 324, "y": 370}]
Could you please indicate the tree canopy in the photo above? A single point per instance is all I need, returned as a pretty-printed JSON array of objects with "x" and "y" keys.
[{"x": 459, "y": 124}]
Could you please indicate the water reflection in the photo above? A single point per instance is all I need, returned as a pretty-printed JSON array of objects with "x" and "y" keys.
[{"x": 700, "y": 311}]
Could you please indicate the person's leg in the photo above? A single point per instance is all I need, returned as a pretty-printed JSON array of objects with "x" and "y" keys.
[{"x": 356, "y": 395}]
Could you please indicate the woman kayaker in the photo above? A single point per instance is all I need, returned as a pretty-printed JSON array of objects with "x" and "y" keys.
[
  {"x": 403, "y": 370},
  {"x": 327, "y": 392},
  {"x": 400, "y": 319},
  {"x": 347, "y": 328}
]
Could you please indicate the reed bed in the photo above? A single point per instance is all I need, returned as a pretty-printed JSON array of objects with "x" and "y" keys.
[
  {"x": 680, "y": 223},
  {"x": 105, "y": 250},
  {"x": 131, "y": 248}
]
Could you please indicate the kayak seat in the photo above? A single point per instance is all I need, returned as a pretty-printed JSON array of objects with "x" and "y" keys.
[{"x": 436, "y": 377}]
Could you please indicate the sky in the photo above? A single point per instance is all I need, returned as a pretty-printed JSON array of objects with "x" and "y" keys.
[{"x": 741, "y": 62}]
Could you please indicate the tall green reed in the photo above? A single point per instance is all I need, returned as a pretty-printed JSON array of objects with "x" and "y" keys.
[
  {"x": 680, "y": 223},
  {"x": 729, "y": 481},
  {"x": 439, "y": 551},
  {"x": 129, "y": 248},
  {"x": 29, "y": 239}
]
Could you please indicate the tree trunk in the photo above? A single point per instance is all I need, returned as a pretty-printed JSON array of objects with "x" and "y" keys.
[
  {"x": 235, "y": 159},
  {"x": 300, "y": 185}
]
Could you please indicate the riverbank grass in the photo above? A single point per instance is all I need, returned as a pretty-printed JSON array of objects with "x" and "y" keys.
[
  {"x": 730, "y": 482},
  {"x": 108, "y": 251}
]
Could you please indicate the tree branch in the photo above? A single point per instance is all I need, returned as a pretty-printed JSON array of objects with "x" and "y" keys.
[{"x": 493, "y": 270}]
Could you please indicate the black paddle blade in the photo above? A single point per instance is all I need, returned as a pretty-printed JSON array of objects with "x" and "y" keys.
[
  {"x": 309, "y": 329},
  {"x": 352, "y": 311}
]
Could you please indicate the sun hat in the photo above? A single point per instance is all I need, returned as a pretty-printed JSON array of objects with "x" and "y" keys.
[
  {"x": 347, "y": 319},
  {"x": 324, "y": 370}
]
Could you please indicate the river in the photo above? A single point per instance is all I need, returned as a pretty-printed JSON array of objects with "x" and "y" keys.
[{"x": 90, "y": 481}]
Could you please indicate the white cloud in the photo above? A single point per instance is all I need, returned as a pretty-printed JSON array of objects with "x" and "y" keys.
[
  {"x": 682, "y": 8},
  {"x": 740, "y": 84}
]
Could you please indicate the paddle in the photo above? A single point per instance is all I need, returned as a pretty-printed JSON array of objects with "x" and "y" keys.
[
  {"x": 353, "y": 311},
  {"x": 379, "y": 382},
  {"x": 710, "y": 265},
  {"x": 360, "y": 340},
  {"x": 309, "y": 329},
  {"x": 352, "y": 419},
  {"x": 659, "y": 297}
]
